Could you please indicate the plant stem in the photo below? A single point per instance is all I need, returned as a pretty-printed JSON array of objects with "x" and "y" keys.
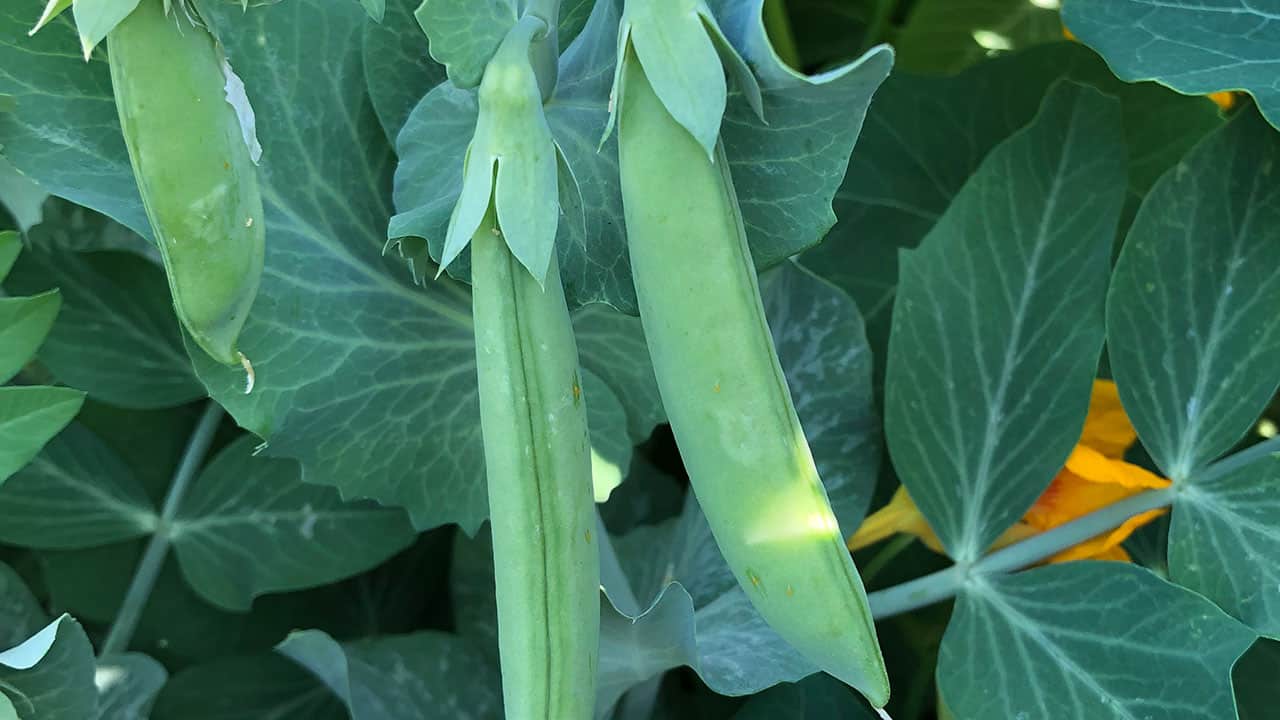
[
  {"x": 144, "y": 578},
  {"x": 946, "y": 583},
  {"x": 886, "y": 555},
  {"x": 778, "y": 26},
  {"x": 1235, "y": 461}
]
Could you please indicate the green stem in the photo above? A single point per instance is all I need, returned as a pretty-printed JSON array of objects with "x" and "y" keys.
[
  {"x": 882, "y": 559},
  {"x": 144, "y": 578},
  {"x": 944, "y": 584},
  {"x": 1235, "y": 461},
  {"x": 778, "y": 26}
]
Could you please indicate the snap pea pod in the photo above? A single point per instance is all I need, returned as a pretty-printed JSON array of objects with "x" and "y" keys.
[
  {"x": 538, "y": 462},
  {"x": 194, "y": 170},
  {"x": 725, "y": 394}
]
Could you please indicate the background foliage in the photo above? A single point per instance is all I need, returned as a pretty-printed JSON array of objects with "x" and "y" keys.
[{"x": 330, "y": 559}]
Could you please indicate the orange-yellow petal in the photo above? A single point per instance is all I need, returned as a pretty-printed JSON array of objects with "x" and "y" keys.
[
  {"x": 1225, "y": 99},
  {"x": 899, "y": 515},
  {"x": 1107, "y": 546},
  {"x": 1092, "y": 465},
  {"x": 1107, "y": 428}
]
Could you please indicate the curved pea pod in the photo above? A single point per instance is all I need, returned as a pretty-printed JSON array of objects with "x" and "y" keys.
[
  {"x": 725, "y": 394},
  {"x": 538, "y": 463},
  {"x": 532, "y": 411},
  {"x": 194, "y": 168}
]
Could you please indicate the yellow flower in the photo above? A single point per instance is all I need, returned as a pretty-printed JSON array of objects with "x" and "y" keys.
[{"x": 1095, "y": 475}]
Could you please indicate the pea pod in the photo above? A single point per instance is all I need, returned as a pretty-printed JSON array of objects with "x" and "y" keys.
[
  {"x": 194, "y": 170},
  {"x": 532, "y": 411},
  {"x": 725, "y": 394}
]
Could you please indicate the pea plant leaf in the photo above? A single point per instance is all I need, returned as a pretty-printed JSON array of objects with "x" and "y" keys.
[
  {"x": 1088, "y": 641},
  {"x": 1224, "y": 539},
  {"x": 1194, "y": 48},
  {"x": 924, "y": 137},
  {"x": 259, "y": 686},
  {"x": 946, "y": 36},
  {"x": 29, "y": 417},
  {"x": 398, "y": 69},
  {"x": 250, "y": 526},
  {"x": 127, "y": 686},
  {"x": 82, "y": 156},
  {"x": 1254, "y": 680},
  {"x": 116, "y": 306},
  {"x": 20, "y": 613},
  {"x": 464, "y": 34},
  {"x": 785, "y": 171},
  {"x": 95, "y": 18},
  {"x": 50, "y": 676},
  {"x": 1190, "y": 334},
  {"x": 21, "y": 197},
  {"x": 377, "y": 9},
  {"x": 814, "y": 698},
  {"x": 398, "y": 677},
  {"x": 998, "y": 327},
  {"x": 77, "y": 493}
]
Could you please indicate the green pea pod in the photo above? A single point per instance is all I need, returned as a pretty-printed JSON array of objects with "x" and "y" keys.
[
  {"x": 194, "y": 170},
  {"x": 538, "y": 462},
  {"x": 725, "y": 394}
]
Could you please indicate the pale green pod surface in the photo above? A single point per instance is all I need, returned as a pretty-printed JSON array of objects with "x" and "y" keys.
[
  {"x": 194, "y": 170},
  {"x": 727, "y": 399},
  {"x": 538, "y": 464}
]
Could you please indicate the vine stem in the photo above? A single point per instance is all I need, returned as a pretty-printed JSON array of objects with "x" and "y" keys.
[
  {"x": 144, "y": 578},
  {"x": 946, "y": 583}
]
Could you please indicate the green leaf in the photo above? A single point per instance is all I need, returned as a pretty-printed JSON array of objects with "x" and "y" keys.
[
  {"x": 397, "y": 677},
  {"x": 817, "y": 697},
  {"x": 610, "y": 443},
  {"x": 946, "y": 36},
  {"x": 253, "y": 686},
  {"x": 20, "y": 613},
  {"x": 1088, "y": 641},
  {"x": 611, "y": 346},
  {"x": 96, "y": 18},
  {"x": 998, "y": 328},
  {"x": 1194, "y": 48},
  {"x": 50, "y": 676},
  {"x": 127, "y": 686},
  {"x": 464, "y": 34},
  {"x": 924, "y": 137},
  {"x": 116, "y": 307},
  {"x": 376, "y": 9},
  {"x": 10, "y": 248},
  {"x": 1190, "y": 333},
  {"x": 64, "y": 132},
  {"x": 1254, "y": 677},
  {"x": 397, "y": 66},
  {"x": 91, "y": 583},
  {"x": 29, "y": 417},
  {"x": 24, "y": 323},
  {"x": 77, "y": 493},
  {"x": 1224, "y": 542},
  {"x": 20, "y": 196},
  {"x": 249, "y": 526}
]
